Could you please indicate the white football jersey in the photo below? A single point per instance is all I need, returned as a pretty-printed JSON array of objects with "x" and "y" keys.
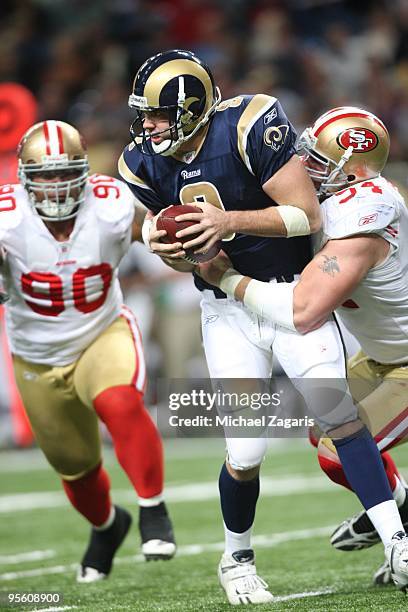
[
  {"x": 63, "y": 294},
  {"x": 377, "y": 311}
]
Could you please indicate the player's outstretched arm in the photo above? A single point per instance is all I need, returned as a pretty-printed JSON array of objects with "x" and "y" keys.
[{"x": 326, "y": 282}]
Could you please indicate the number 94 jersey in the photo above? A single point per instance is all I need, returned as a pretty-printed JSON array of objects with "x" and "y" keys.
[{"x": 63, "y": 294}]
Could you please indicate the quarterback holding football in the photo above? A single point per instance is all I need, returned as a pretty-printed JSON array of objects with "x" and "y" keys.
[{"x": 236, "y": 161}]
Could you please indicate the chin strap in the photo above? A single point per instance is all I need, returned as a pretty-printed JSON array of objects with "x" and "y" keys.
[{"x": 343, "y": 160}]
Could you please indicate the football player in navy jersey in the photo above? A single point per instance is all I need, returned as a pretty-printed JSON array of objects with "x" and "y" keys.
[{"x": 237, "y": 160}]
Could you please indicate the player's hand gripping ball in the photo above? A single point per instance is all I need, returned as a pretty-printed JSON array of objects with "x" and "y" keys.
[{"x": 166, "y": 221}]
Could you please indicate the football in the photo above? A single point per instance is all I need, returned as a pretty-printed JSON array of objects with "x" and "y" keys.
[{"x": 166, "y": 221}]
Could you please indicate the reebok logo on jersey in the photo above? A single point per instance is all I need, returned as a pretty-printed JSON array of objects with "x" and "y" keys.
[
  {"x": 368, "y": 219},
  {"x": 270, "y": 116},
  {"x": 210, "y": 319},
  {"x": 186, "y": 175}
]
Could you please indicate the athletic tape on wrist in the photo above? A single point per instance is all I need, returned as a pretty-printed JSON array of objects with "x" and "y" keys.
[
  {"x": 295, "y": 220},
  {"x": 147, "y": 224},
  {"x": 230, "y": 281}
]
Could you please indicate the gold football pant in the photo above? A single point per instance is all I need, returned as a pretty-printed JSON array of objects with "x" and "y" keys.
[
  {"x": 59, "y": 400},
  {"x": 382, "y": 395}
]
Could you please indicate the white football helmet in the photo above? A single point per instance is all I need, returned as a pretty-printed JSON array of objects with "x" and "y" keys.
[
  {"x": 344, "y": 146},
  {"x": 53, "y": 149}
]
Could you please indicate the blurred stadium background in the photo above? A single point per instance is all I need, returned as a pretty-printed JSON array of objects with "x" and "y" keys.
[{"x": 76, "y": 60}]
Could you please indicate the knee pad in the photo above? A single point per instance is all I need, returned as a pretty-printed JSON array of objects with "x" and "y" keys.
[{"x": 246, "y": 453}]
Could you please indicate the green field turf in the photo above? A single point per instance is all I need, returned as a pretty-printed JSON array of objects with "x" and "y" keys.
[{"x": 294, "y": 517}]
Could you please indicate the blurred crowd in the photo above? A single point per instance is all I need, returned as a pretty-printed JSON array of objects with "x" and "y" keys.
[{"x": 79, "y": 57}]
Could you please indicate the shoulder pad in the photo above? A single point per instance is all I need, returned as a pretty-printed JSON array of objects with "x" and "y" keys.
[
  {"x": 365, "y": 216},
  {"x": 113, "y": 200},
  {"x": 129, "y": 165},
  {"x": 257, "y": 106},
  {"x": 14, "y": 205}
]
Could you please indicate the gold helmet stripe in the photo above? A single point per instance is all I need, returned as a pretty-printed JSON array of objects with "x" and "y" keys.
[
  {"x": 170, "y": 70},
  {"x": 128, "y": 175},
  {"x": 257, "y": 107}
]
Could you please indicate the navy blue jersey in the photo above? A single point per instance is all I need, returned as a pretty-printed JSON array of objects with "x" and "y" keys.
[{"x": 248, "y": 140}]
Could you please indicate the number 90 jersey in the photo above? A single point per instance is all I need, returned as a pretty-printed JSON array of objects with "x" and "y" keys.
[
  {"x": 63, "y": 294},
  {"x": 248, "y": 140}
]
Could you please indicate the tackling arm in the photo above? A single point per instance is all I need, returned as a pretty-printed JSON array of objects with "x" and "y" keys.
[
  {"x": 331, "y": 277},
  {"x": 326, "y": 282}
]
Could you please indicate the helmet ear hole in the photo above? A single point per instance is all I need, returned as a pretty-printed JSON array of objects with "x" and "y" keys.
[{"x": 351, "y": 178}]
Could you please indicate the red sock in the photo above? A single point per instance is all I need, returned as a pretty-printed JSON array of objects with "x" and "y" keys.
[
  {"x": 90, "y": 495},
  {"x": 135, "y": 438},
  {"x": 391, "y": 469},
  {"x": 330, "y": 464}
]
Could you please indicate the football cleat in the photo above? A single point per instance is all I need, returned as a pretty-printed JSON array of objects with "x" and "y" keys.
[
  {"x": 156, "y": 532},
  {"x": 397, "y": 554},
  {"x": 355, "y": 533},
  {"x": 238, "y": 577},
  {"x": 382, "y": 576},
  {"x": 358, "y": 531},
  {"x": 97, "y": 561}
]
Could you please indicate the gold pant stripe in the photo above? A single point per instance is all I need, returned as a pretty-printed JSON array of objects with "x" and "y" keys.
[{"x": 139, "y": 378}]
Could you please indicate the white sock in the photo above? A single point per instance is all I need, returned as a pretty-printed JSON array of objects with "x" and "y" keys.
[
  {"x": 386, "y": 519},
  {"x": 109, "y": 520},
  {"x": 399, "y": 493},
  {"x": 237, "y": 541},
  {"x": 148, "y": 502}
]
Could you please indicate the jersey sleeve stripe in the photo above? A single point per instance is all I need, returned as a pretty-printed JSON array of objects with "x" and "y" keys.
[
  {"x": 255, "y": 109},
  {"x": 128, "y": 175}
]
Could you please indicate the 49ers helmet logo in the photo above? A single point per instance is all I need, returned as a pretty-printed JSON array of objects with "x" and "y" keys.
[{"x": 361, "y": 139}]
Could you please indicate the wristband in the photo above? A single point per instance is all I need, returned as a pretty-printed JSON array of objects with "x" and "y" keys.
[
  {"x": 230, "y": 281},
  {"x": 147, "y": 224}
]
